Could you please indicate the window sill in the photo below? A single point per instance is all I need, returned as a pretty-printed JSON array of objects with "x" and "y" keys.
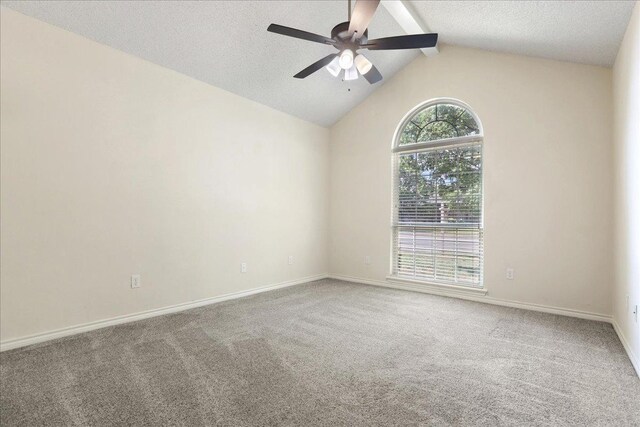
[{"x": 421, "y": 285}]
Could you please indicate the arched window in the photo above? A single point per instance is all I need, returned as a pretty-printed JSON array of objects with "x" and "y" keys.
[{"x": 437, "y": 206}]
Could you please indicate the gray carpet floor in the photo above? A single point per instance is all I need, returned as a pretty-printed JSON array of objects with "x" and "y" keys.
[{"x": 328, "y": 353}]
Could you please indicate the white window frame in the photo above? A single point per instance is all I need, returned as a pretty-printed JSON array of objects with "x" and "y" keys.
[{"x": 398, "y": 149}]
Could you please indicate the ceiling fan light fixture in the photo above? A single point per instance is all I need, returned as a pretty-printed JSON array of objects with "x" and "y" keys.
[
  {"x": 351, "y": 36},
  {"x": 334, "y": 67},
  {"x": 363, "y": 64},
  {"x": 346, "y": 59},
  {"x": 351, "y": 73}
]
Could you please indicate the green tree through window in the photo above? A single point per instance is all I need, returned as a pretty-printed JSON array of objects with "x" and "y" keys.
[
  {"x": 438, "y": 121},
  {"x": 438, "y": 197}
]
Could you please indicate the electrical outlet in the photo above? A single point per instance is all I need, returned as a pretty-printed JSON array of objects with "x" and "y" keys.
[
  {"x": 135, "y": 281},
  {"x": 510, "y": 273},
  {"x": 367, "y": 260},
  {"x": 290, "y": 259},
  {"x": 243, "y": 267}
]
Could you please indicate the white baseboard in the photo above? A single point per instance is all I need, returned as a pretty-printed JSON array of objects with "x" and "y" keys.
[
  {"x": 478, "y": 298},
  {"x": 86, "y": 327},
  {"x": 635, "y": 361}
]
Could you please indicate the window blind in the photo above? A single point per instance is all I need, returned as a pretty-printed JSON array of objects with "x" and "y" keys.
[{"x": 437, "y": 215}]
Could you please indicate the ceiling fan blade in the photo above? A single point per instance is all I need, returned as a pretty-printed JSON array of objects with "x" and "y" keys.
[
  {"x": 413, "y": 41},
  {"x": 373, "y": 75},
  {"x": 361, "y": 17},
  {"x": 299, "y": 34},
  {"x": 315, "y": 66}
]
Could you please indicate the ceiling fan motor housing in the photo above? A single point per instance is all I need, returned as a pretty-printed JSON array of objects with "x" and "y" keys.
[{"x": 340, "y": 33}]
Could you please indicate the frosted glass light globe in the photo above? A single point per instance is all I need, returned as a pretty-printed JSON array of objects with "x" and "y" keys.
[{"x": 346, "y": 59}]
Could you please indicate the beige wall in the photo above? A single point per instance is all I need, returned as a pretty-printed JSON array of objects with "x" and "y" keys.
[
  {"x": 548, "y": 173},
  {"x": 626, "y": 95},
  {"x": 113, "y": 166}
]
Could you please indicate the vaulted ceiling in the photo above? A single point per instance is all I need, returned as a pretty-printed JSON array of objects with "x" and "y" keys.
[
  {"x": 588, "y": 32},
  {"x": 225, "y": 43}
]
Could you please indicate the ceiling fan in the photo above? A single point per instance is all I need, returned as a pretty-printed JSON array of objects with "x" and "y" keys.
[{"x": 351, "y": 36}]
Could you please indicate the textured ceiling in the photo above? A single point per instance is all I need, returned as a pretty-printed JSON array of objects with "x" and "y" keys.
[
  {"x": 588, "y": 32},
  {"x": 225, "y": 43}
]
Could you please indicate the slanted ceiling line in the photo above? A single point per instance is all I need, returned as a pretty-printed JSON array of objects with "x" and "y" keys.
[{"x": 403, "y": 13}]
